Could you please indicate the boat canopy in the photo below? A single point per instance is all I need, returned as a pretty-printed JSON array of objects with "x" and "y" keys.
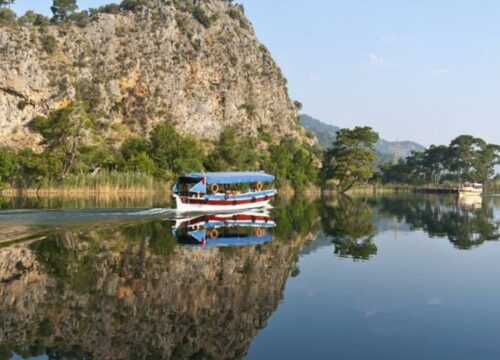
[{"x": 226, "y": 177}]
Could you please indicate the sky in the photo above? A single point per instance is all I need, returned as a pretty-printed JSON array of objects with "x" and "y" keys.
[{"x": 421, "y": 70}]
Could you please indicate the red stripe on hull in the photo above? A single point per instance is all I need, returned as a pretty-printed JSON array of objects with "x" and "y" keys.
[
  {"x": 223, "y": 202},
  {"x": 221, "y": 218}
]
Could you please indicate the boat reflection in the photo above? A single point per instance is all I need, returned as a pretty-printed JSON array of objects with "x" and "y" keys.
[
  {"x": 470, "y": 202},
  {"x": 218, "y": 230}
]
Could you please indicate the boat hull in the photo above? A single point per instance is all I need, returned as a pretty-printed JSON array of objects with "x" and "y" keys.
[
  {"x": 470, "y": 192},
  {"x": 224, "y": 204}
]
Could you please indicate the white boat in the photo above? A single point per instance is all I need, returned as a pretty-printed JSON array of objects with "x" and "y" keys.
[
  {"x": 223, "y": 191},
  {"x": 470, "y": 189}
]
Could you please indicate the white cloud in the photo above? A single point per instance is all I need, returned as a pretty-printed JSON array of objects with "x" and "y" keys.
[
  {"x": 389, "y": 39},
  {"x": 440, "y": 72},
  {"x": 314, "y": 77},
  {"x": 434, "y": 300},
  {"x": 375, "y": 59}
]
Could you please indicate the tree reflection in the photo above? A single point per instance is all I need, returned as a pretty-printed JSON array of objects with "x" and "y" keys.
[
  {"x": 350, "y": 223},
  {"x": 466, "y": 223},
  {"x": 299, "y": 217}
]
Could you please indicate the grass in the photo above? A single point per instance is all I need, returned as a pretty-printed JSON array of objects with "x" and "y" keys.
[{"x": 103, "y": 183}]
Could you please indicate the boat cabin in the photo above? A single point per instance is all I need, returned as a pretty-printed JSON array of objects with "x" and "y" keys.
[{"x": 200, "y": 191}]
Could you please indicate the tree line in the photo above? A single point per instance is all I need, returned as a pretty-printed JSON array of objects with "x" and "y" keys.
[
  {"x": 66, "y": 11},
  {"x": 466, "y": 158},
  {"x": 71, "y": 144}
]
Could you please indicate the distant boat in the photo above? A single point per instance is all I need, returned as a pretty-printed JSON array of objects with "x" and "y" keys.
[
  {"x": 223, "y": 191},
  {"x": 470, "y": 189},
  {"x": 223, "y": 229}
]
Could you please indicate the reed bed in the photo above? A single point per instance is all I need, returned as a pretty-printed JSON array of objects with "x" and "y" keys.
[{"x": 105, "y": 183}]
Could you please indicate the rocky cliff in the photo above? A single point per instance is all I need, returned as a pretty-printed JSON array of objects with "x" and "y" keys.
[{"x": 196, "y": 63}]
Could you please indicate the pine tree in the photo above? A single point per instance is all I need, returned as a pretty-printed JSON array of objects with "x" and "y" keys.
[{"x": 62, "y": 9}]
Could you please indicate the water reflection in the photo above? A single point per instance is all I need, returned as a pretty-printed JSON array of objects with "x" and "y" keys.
[
  {"x": 466, "y": 223},
  {"x": 122, "y": 284},
  {"x": 131, "y": 289},
  {"x": 350, "y": 224},
  {"x": 214, "y": 230}
]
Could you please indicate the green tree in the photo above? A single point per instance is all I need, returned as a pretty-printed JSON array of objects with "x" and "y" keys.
[
  {"x": 396, "y": 173},
  {"x": 132, "y": 5},
  {"x": 33, "y": 168},
  {"x": 63, "y": 132},
  {"x": 233, "y": 153},
  {"x": 6, "y": 2},
  {"x": 8, "y": 165},
  {"x": 135, "y": 156},
  {"x": 292, "y": 163},
  {"x": 281, "y": 160},
  {"x": 7, "y": 17},
  {"x": 486, "y": 158},
  {"x": 435, "y": 161},
  {"x": 63, "y": 8},
  {"x": 350, "y": 160},
  {"x": 80, "y": 18},
  {"x": 171, "y": 152},
  {"x": 472, "y": 159},
  {"x": 32, "y": 18}
]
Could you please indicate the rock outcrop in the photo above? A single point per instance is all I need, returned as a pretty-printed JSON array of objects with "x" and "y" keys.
[{"x": 196, "y": 63}]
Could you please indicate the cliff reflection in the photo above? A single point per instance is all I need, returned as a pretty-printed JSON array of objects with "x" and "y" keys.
[{"x": 132, "y": 291}]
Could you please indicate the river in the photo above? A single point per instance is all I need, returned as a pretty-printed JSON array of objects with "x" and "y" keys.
[{"x": 387, "y": 277}]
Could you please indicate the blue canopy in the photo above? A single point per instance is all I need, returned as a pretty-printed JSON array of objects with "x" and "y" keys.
[
  {"x": 238, "y": 241},
  {"x": 228, "y": 177}
]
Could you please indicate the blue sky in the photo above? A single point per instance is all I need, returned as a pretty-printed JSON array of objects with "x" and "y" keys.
[{"x": 424, "y": 70}]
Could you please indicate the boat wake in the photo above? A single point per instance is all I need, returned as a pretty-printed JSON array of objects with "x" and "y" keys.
[{"x": 86, "y": 214}]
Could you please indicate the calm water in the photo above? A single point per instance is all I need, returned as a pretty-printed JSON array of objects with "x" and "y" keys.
[{"x": 396, "y": 277}]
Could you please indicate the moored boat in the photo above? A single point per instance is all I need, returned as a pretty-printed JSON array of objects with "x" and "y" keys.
[
  {"x": 470, "y": 189},
  {"x": 223, "y": 191}
]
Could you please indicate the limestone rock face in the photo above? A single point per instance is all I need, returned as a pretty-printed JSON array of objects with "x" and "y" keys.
[{"x": 139, "y": 68}]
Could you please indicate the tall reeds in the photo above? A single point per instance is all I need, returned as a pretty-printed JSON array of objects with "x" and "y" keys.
[{"x": 102, "y": 183}]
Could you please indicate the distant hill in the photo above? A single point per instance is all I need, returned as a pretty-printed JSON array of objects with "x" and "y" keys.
[
  {"x": 387, "y": 150},
  {"x": 324, "y": 132}
]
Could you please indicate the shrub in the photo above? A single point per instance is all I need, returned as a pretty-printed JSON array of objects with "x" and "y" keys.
[
  {"x": 110, "y": 9},
  {"x": 32, "y": 18},
  {"x": 181, "y": 23},
  {"x": 21, "y": 105},
  {"x": 200, "y": 15},
  {"x": 132, "y": 5},
  {"x": 49, "y": 44},
  {"x": 81, "y": 18},
  {"x": 7, "y": 17}
]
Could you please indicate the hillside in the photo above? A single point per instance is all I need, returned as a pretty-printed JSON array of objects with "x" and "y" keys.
[
  {"x": 199, "y": 66},
  {"x": 387, "y": 150}
]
